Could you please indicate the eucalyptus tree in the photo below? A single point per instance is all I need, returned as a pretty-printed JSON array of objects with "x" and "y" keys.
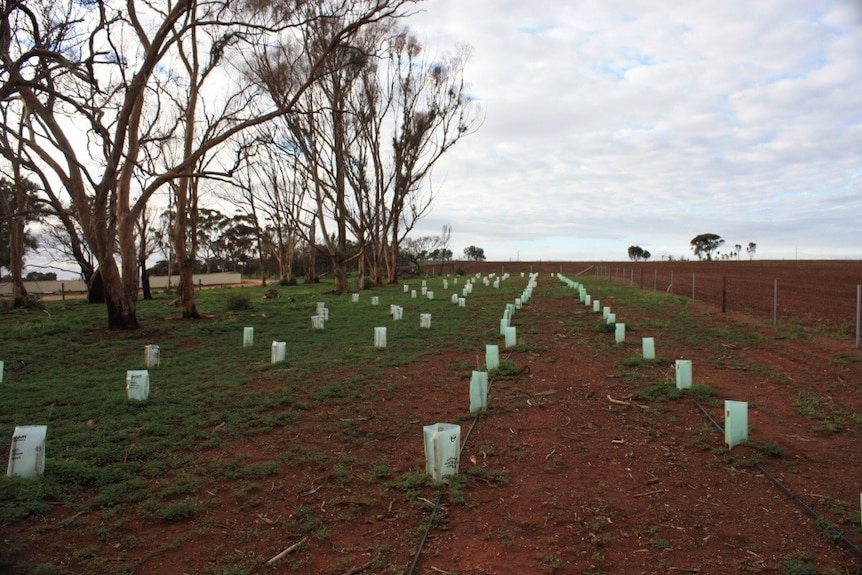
[
  {"x": 410, "y": 110},
  {"x": 18, "y": 207},
  {"x": 110, "y": 90},
  {"x": 277, "y": 191}
]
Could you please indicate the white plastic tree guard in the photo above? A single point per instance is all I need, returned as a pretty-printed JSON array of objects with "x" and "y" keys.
[
  {"x": 425, "y": 320},
  {"x": 735, "y": 422},
  {"x": 648, "y": 344},
  {"x": 317, "y": 322},
  {"x": 454, "y": 298},
  {"x": 492, "y": 357},
  {"x": 430, "y": 294},
  {"x": 478, "y": 391},
  {"x": 247, "y": 336},
  {"x": 611, "y": 319},
  {"x": 375, "y": 300},
  {"x": 27, "y": 452},
  {"x": 1, "y": 372},
  {"x": 138, "y": 384},
  {"x": 406, "y": 288},
  {"x": 278, "y": 352},
  {"x": 354, "y": 297},
  {"x": 151, "y": 357},
  {"x": 606, "y": 310},
  {"x": 462, "y": 302},
  {"x": 442, "y": 450},
  {"x": 379, "y": 337},
  {"x": 683, "y": 373},
  {"x": 511, "y": 336},
  {"x": 413, "y": 294},
  {"x": 619, "y": 332}
]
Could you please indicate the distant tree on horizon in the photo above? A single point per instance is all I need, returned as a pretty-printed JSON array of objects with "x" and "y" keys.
[
  {"x": 637, "y": 253},
  {"x": 752, "y": 247},
  {"x": 705, "y": 244},
  {"x": 475, "y": 254}
]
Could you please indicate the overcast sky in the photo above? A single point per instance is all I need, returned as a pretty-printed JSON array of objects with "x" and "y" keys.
[{"x": 617, "y": 123}]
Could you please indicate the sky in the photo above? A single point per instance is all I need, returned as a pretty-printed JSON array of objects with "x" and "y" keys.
[{"x": 608, "y": 124}]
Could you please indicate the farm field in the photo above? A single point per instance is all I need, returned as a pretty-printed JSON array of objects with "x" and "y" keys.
[{"x": 587, "y": 460}]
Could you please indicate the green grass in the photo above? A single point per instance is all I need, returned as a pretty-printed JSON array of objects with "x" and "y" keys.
[{"x": 63, "y": 369}]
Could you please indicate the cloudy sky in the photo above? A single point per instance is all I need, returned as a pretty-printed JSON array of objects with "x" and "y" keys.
[{"x": 617, "y": 123}]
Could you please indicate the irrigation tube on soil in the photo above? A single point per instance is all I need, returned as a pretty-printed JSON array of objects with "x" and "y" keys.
[
  {"x": 819, "y": 519},
  {"x": 835, "y": 533},
  {"x": 460, "y": 448}
]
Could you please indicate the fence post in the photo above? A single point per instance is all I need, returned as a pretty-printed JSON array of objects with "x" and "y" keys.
[
  {"x": 858, "y": 308},
  {"x": 671, "y": 282},
  {"x": 655, "y": 279},
  {"x": 63, "y": 294},
  {"x": 723, "y": 294},
  {"x": 775, "y": 304},
  {"x": 692, "y": 287}
]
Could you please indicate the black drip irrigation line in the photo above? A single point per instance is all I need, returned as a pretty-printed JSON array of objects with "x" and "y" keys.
[
  {"x": 818, "y": 519},
  {"x": 440, "y": 495}
]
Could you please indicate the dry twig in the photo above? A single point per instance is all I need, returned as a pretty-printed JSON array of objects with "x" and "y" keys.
[{"x": 287, "y": 551}]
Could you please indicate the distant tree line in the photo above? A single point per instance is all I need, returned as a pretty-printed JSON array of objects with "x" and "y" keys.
[{"x": 705, "y": 247}]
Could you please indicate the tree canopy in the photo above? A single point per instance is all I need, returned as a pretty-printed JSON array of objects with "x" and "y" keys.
[
  {"x": 475, "y": 254},
  {"x": 637, "y": 253},
  {"x": 705, "y": 244}
]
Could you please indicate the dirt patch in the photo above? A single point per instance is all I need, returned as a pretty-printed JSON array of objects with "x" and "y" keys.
[{"x": 571, "y": 470}]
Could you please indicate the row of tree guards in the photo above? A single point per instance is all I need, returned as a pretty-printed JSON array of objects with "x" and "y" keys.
[
  {"x": 442, "y": 441},
  {"x": 735, "y": 412},
  {"x": 27, "y": 452}
]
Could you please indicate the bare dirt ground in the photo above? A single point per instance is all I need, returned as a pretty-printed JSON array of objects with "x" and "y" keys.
[{"x": 571, "y": 472}]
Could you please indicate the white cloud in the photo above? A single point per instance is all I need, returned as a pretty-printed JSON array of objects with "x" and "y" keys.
[{"x": 617, "y": 123}]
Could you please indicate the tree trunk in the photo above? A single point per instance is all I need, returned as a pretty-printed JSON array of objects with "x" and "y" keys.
[
  {"x": 339, "y": 275},
  {"x": 95, "y": 287},
  {"x": 16, "y": 260},
  {"x": 392, "y": 263},
  {"x": 145, "y": 280},
  {"x": 122, "y": 313}
]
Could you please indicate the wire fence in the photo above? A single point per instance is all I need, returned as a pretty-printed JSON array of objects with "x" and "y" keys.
[{"x": 824, "y": 297}]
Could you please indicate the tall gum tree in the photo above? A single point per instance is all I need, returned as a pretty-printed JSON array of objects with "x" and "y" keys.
[
  {"x": 98, "y": 81},
  {"x": 411, "y": 111}
]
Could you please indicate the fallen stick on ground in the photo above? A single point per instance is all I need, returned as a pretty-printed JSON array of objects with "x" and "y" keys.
[
  {"x": 621, "y": 402},
  {"x": 287, "y": 551}
]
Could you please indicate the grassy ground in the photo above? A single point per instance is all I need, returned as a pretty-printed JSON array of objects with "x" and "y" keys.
[{"x": 64, "y": 370}]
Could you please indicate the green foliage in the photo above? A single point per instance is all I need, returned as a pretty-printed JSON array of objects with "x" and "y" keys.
[
  {"x": 505, "y": 370},
  {"x": 658, "y": 392},
  {"x": 769, "y": 448},
  {"x": 21, "y": 498},
  {"x": 801, "y": 563},
  {"x": 237, "y": 302}
]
